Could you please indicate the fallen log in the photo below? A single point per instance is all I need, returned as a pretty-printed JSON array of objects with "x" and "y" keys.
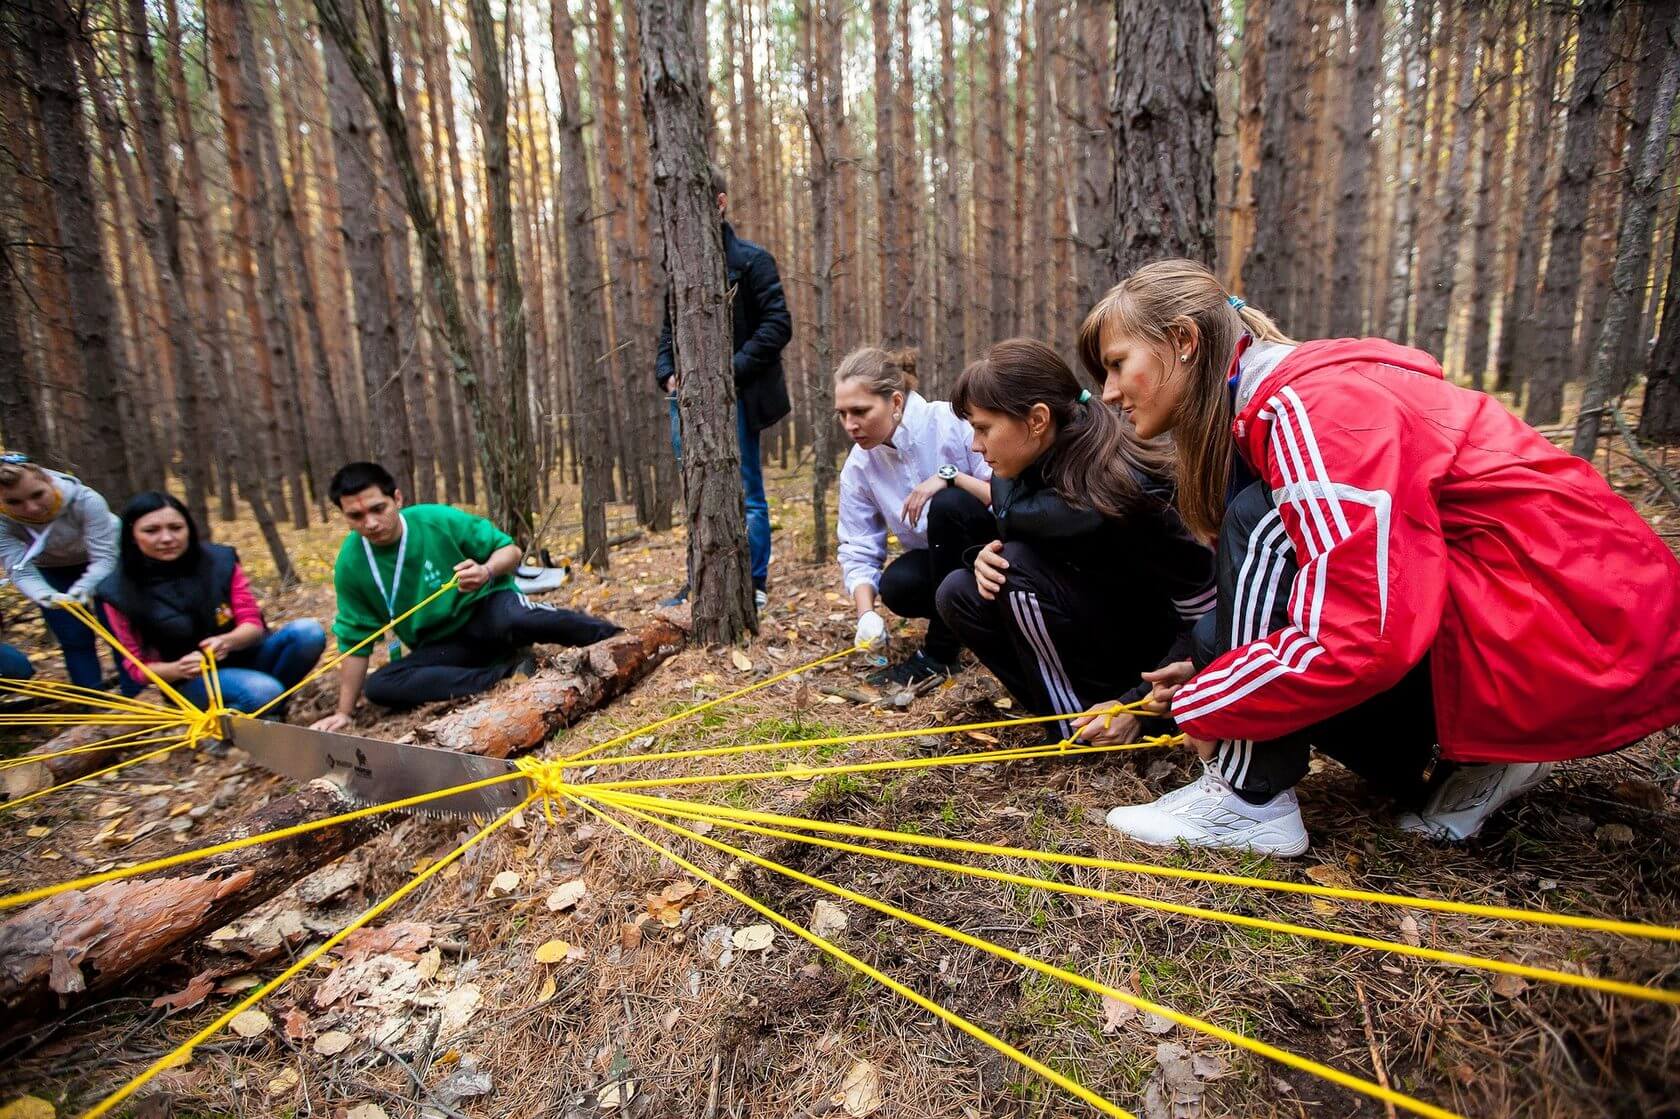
[
  {"x": 578, "y": 682},
  {"x": 88, "y": 941},
  {"x": 61, "y": 950},
  {"x": 20, "y": 780}
]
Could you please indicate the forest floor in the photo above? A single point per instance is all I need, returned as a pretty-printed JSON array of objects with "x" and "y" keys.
[{"x": 657, "y": 1011}]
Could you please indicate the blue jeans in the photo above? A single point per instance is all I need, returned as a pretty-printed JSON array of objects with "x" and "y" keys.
[
  {"x": 256, "y": 674},
  {"x": 13, "y": 664},
  {"x": 80, "y": 644},
  {"x": 752, "y": 488}
]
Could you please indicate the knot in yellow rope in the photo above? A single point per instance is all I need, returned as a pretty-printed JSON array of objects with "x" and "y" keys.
[
  {"x": 547, "y": 781},
  {"x": 206, "y": 724}
]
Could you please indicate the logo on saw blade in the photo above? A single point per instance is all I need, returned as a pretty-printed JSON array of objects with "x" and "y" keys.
[{"x": 359, "y": 767}]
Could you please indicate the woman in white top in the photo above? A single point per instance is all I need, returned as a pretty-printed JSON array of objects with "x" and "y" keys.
[
  {"x": 58, "y": 539},
  {"x": 911, "y": 473}
]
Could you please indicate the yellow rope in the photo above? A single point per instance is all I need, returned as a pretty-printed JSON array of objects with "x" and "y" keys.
[
  {"x": 1470, "y": 909},
  {"x": 25, "y": 799},
  {"x": 950, "y": 1017},
  {"x": 11, "y": 901},
  {"x": 845, "y": 739},
  {"x": 67, "y": 689},
  {"x": 182, "y": 1053},
  {"x": 58, "y": 692},
  {"x": 87, "y": 618},
  {"x": 1200, "y": 1025},
  {"x": 333, "y": 662},
  {"x": 707, "y": 706},
  {"x": 121, "y": 742},
  {"x": 802, "y": 772},
  {"x": 1548, "y": 975}
]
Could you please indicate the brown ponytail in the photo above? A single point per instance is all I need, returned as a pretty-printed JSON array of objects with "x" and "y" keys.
[
  {"x": 1095, "y": 459},
  {"x": 1183, "y": 298}
]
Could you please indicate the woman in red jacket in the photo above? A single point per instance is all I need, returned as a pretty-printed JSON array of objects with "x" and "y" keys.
[{"x": 1410, "y": 578}]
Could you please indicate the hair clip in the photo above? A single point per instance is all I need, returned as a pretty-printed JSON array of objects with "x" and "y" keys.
[
  {"x": 15, "y": 458},
  {"x": 1237, "y": 303},
  {"x": 1084, "y": 396}
]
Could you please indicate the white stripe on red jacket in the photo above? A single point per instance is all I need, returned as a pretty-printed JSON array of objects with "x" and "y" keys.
[{"x": 1428, "y": 519}]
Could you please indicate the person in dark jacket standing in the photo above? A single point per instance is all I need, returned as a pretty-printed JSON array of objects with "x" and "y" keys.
[
  {"x": 762, "y": 327},
  {"x": 1093, "y": 580}
]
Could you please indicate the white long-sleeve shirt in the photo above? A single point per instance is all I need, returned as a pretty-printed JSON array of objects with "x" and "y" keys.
[{"x": 874, "y": 484}]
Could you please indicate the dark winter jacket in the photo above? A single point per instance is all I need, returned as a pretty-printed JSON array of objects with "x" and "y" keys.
[
  {"x": 762, "y": 327},
  {"x": 1148, "y": 550},
  {"x": 171, "y": 607}
]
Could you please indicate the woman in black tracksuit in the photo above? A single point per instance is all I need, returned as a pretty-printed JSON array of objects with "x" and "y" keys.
[{"x": 1093, "y": 579}]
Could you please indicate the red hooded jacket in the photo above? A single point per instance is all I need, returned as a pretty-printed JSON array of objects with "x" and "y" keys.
[{"x": 1426, "y": 518}]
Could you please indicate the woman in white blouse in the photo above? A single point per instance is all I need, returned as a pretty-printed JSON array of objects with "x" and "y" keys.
[{"x": 912, "y": 473}]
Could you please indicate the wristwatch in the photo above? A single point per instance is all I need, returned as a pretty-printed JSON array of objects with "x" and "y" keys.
[{"x": 949, "y": 473}]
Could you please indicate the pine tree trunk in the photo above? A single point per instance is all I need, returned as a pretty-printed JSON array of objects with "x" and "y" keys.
[
  {"x": 1490, "y": 190},
  {"x": 1435, "y": 300},
  {"x": 219, "y": 381},
  {"x": 1551, "y": 346},
  {"x": 888, "y": 203},
  {"x": 93, "y": 306},
  {"x": 1634, "y": 245},
  {"x": 1162, "y": 135},
  {"x": 21, "y": 417},
  {"x": 719, "y": 573},
  {"x": 585, "y": 298},
  {"x": 996, "y": 180},
  {"x": 646, "y": 234},
  {"x": 821, "y": 27},
  {"x": 1269, "y": 267},
  {"x": 354, "y": 154},
  {"x": 1353, "y": 183},
  {"x": 1515, "y": 319},
  {"x": 1659, "y": 422},
  {"x": 1397, "y": 301},
  {"x": 949, "y": 355}
]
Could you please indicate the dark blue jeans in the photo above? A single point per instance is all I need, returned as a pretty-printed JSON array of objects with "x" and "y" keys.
[
  {"x": 256, "y": 674},
  {"x": 80, "y": 644},
  {"x": 13, "y": 664},
  {"x": 752, "y": 488}
]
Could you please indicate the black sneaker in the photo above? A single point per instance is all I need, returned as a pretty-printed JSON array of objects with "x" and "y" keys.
[
  {"x": 677, "y": 599},
  {"x": 913, "y": 670}
]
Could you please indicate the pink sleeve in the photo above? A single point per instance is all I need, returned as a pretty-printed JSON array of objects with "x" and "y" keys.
[
  {"x": 120, "y": 628},
  {"x": 246, "y": 611}
]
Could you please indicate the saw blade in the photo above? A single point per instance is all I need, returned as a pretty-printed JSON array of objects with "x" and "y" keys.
[{"x": 371, "y": 771}]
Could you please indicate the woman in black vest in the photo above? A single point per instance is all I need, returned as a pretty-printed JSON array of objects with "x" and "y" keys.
[{"x": 172, "y": 599}]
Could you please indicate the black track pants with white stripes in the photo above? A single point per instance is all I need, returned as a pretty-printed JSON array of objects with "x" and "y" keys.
[
  {"x": 483, "y": 652},
  {"x": 1060, "y": 638},
  {"x": 1389, "y": 739}
]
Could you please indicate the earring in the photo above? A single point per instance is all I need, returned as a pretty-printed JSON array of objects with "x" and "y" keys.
[
  {"x": 1183, "y": 357},
  {"x": 896, "y": 417}
]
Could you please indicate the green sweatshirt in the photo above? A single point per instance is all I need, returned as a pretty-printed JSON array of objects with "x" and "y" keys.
[{"x": 439, "y": 537}]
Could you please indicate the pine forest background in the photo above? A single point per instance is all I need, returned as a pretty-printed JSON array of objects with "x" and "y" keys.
[{"x": 220, "y": 271}]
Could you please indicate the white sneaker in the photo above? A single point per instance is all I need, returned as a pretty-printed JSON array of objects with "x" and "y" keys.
[
  {"x": 1209, "y": 813},
  {"x": 1470, "y": 794},
  {"x": 760, "y": 600}
]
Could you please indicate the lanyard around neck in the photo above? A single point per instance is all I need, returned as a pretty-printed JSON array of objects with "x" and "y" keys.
[{"x": 390, "y": 596}]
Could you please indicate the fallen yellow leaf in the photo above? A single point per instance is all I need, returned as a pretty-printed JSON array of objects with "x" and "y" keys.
[
  {"x": 506, "y": 882},
  {"x": 28, "y": 1107},
  {"x": 552, "y": 951},
  {"x": 740, "y": 660},
  {"x": 38, "y": 832}
]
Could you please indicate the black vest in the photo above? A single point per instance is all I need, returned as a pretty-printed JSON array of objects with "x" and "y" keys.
[{"x": 172, "y": 614}]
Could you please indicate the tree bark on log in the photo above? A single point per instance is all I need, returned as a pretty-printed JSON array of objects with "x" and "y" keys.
[
  {"x": 87, "y": 941},
  {"x": 578, "y": 682},
  {"x": 20, "y": 780}
]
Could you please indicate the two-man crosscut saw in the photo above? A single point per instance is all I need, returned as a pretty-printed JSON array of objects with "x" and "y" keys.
[{"x": 371, "y": 771}]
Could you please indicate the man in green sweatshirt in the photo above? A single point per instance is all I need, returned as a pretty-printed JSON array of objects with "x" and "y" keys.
[{"x": 461, "y": 643}]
